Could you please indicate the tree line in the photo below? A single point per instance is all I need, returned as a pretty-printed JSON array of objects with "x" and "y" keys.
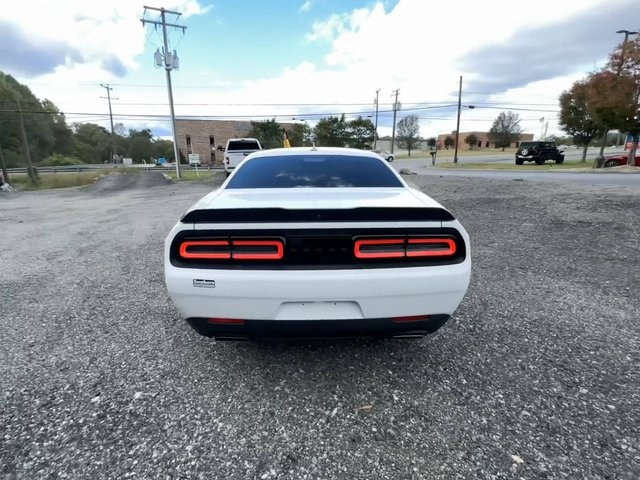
[{"x": 52, "y": 141}]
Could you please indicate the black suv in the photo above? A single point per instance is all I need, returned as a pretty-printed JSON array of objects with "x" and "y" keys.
[{"x": 538, "y": 152}]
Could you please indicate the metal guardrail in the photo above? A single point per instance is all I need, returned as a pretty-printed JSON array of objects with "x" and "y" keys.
[{"x": 110, "y": 167}]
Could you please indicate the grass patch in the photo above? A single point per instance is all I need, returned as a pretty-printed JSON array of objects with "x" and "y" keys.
[
  {"x": 191, "y": 175},
  {"x": 55, "y": 180},
  {"x": 567, "y": 165}
]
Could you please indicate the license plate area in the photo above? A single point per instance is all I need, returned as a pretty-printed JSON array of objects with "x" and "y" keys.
[{"x": 327, "y": 310}]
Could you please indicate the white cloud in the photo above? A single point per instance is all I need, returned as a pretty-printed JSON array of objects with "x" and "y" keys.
[
  {"x": 305, "y": 7},
  {"x": 414, "y": 47}
]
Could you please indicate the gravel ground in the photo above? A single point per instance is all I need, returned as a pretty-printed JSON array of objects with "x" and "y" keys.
[{"x": 536, "y": 376}]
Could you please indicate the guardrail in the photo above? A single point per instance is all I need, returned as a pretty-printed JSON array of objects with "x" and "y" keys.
[{"x": 110, "y": 167}]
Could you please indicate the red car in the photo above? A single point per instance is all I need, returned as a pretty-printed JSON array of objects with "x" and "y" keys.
[{"x": 618, "y": 159}]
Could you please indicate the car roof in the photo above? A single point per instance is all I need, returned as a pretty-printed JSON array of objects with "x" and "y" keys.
[{"x": 273, "y": 152}]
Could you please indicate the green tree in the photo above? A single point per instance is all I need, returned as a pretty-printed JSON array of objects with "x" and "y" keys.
[
  {"x": 92, "y": 143},
  {"x": 268, "y": 132},
  {"x": 577, "y": 118},
  {"x": 38, "y": 122},
  {"x": 409, "y": 132},
  {"x": 431, "y": 142},
  {"x": 300, "y": 135},
  {"x": 361, "y": 133},
  {"x": 471, "y": 140},
  {"x": 449, "y": 142},
  {"x": 331, "y": 132},
  {"x": 505, "y": 130},
  {"x": 163, "y": 148}
]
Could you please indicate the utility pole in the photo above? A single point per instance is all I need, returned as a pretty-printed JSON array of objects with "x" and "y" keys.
[
  {"x": 170, "y": 62},
  {"x": 25, "y": 145},
  {"x": 375, "y": 137},
  {"x": 113, "y": 143},
  {"x": 455, "y": 153},
  {"x": 3, "y": 166},
  {"x": 395, "y": 109}
]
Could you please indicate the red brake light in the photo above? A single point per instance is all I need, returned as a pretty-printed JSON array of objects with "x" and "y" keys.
[
  {"x": 431, "y": 247},
  {"x": 205, "y": 249},
  {"x": 371, "y": 248},
  {"x": 233, "y": 249},
  {"x": 379, "y": 248}
]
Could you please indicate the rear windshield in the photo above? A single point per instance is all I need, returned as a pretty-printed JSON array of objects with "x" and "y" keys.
[
  {"x": 243, "y": 145},
  {"x": 291, "y": 171}
]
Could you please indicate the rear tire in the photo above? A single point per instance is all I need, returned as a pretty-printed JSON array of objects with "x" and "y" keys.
[
  {"x": 611, "y": 163},
  {"x": 559, "y": 161},
  {"x": 390, "y": 159},
  {"x": 539, "y": 161},
  {"x": 519, "y": 161}
]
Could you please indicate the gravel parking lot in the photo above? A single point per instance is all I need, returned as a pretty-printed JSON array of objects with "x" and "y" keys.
[{"x": 536, "y": 376}]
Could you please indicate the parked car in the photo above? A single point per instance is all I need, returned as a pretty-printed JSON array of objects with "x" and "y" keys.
[
  {"x": 538, "y": 152},
  {"x": 316, "y": 242},
  {"x": 384, "y": 154},
  {"x": 618, "y": 159}
]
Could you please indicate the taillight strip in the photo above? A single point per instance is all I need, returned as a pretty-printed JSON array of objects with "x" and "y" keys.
[
  {"x": 405, "y": 247},
  {"x": 185, "y": 253},
  {"x": 275, "y": 255},
  {"x": 396, "y": 243},
  {"x": 449, "y": 243}
]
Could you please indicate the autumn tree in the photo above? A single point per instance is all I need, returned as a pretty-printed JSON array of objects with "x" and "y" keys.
[
  {"x": 505, "y": 130},
  {"x": 471, "y": 140},
  {"x": 577, "y": 117},
  {"x": 614, "y": 92}
]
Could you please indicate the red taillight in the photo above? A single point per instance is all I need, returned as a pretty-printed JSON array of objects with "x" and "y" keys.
[
  {"x": 412, "y": 318},
  {"x": 205, "y": 249},
  {"x": 226, "y": 321},
  {"x": 431, "y": 247},
  {"x": 233, "y": 249},
  {"x": 370, "y": 248},
  {"x": 379, "y": 248},
  {"x": 257, "y": 249}
]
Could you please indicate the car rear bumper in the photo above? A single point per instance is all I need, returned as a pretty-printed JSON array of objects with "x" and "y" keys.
[
  {"x": 317, "y": 294},
  {"x": 318, "y": 329}
]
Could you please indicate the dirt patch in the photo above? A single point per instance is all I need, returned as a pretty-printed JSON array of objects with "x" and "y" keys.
[{"x": 116, "y": 182}]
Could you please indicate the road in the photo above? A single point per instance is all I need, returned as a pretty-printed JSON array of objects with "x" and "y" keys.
[
  {"x": 496, "y": 156},
  {"x": 535, "y": 376}
]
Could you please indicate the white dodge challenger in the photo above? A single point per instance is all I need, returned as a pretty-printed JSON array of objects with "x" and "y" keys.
[{"x": 316, "y": 242}]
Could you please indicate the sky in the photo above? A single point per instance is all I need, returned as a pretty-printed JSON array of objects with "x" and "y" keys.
[{"x": 301, "y": 60}]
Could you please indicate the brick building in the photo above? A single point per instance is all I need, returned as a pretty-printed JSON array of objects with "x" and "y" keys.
[
  {"x": 207, "y": 138},
  {"x": 483, "y": 140}
]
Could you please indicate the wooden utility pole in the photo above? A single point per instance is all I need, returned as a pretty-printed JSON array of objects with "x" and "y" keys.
[
  {"x": 3, "y": 166},
  {"x": 25, "y": 145}
]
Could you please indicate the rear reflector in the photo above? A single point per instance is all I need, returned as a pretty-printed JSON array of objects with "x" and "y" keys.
[
  {"x": 412, "y": 318},
  {"x": 226, "y": 321}
]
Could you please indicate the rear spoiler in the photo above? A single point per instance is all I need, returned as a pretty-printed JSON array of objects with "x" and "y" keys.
[{"x": 361, "y": 214}]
